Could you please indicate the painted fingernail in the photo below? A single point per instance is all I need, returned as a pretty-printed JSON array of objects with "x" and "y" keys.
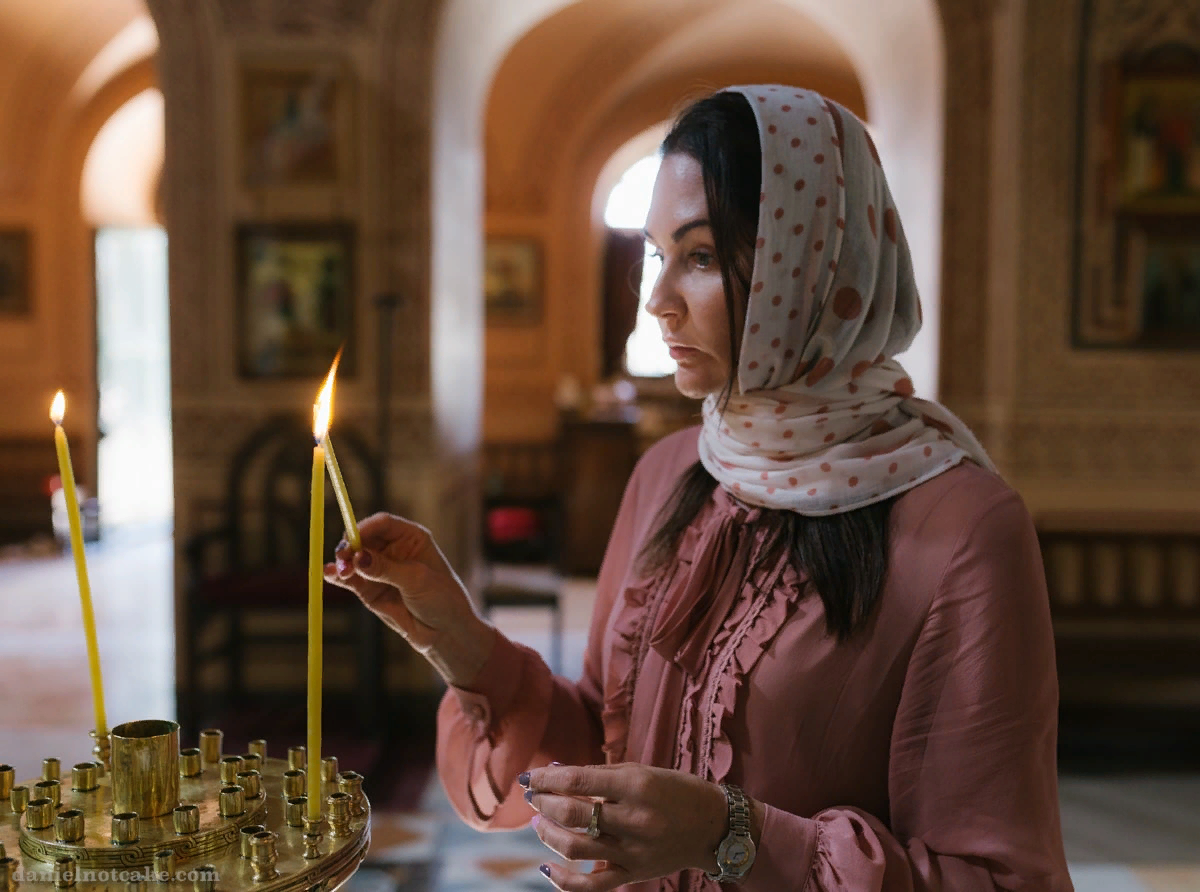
[
  {"x": 529, "y": 796},
  {"x": 363, "y": 559},
  {"x": 537, "y": 819},
  {"x": 556, "y": 763},
  {"x": 545, "y": 869},
  {"x": 343, "y": 567},
  {"x": 523, "y": 778}
]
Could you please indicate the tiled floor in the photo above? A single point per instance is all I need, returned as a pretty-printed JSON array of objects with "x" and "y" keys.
[{"x": 1123, "y": 834}]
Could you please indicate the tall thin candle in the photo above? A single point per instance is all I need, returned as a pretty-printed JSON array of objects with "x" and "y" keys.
[
  {"x": 316, "y": 619},
  {"x": 67, "y": 474},
  {"x": 349, "y": 522}
]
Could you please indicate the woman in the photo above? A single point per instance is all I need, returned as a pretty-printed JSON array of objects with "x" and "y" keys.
[{"x": 821, "y": 653}]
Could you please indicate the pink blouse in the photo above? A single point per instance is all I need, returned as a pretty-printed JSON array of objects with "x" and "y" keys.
[{"x": 918, "y": 755}]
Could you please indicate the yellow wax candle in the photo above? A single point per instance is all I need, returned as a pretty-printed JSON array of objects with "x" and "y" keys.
[
  {"x": 316, "y": 581},
  {"x": 335, "y": 472},
  {"x": 65, "y": 471},
  {"x": 343, "y": 496}
]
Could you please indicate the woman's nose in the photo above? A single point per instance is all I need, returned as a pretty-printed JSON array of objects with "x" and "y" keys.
[{"x": 664, "y": 300}]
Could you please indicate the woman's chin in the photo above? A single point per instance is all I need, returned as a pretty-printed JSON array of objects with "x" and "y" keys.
[{"x": 694, "y": 384}]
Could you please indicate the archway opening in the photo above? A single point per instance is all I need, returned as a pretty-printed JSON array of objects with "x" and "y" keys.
[{"x": 118, "y": 195}]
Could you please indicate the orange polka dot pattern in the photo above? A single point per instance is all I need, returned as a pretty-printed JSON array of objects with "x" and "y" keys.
[{"x": 825, "y": 420}]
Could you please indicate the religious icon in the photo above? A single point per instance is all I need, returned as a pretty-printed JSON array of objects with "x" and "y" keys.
[
  {"x": 512, "y": 281},
  {"x": 1160, "y": 169},
  {"x": 296, "y": 123},
  {"x": 296, "y": 299}
]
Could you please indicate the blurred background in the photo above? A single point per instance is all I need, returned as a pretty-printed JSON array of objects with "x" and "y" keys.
[{"x": 200, "y": 202}]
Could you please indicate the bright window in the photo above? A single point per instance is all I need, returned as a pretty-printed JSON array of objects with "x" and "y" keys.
[{"x": 628, "y": 204}]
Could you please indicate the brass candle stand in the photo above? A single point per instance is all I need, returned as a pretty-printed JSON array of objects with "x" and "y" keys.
[{"x": 156, "y": 816}]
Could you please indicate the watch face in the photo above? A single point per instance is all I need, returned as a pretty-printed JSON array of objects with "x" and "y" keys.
[{"x": 736, "y": 854}]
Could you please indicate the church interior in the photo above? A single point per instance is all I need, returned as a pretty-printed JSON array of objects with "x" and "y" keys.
[{"x": 202, "y": 202}]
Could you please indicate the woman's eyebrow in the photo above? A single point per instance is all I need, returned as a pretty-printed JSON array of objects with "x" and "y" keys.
[{"x": 682, "y": 230}]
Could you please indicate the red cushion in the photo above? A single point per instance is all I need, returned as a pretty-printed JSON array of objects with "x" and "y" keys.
[
  {"x": 283, "y": 587},
  {"x": 513, "y": 524}
]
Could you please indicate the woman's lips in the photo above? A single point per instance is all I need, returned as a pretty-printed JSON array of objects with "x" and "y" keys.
[{"x": 678, "y": 353}]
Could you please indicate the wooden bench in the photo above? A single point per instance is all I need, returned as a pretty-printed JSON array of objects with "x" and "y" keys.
[{"x": 1125, "y": 600}]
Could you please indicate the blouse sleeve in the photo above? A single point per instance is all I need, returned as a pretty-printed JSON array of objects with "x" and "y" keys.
[
  {"x": 519, "y": 715},
  {"x": 972, "y": 777}
]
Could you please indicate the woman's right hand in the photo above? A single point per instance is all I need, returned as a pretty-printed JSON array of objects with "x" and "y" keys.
[{"x": 401, "y": 575}]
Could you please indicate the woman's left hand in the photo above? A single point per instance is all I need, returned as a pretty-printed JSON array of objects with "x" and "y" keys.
[{"x": 653, "y": 822}]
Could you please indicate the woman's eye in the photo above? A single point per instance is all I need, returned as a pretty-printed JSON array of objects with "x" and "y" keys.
[{"x": 702, "y": 259}]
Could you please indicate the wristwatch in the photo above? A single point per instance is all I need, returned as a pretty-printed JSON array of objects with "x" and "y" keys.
[{"x": 735, "y": 854}]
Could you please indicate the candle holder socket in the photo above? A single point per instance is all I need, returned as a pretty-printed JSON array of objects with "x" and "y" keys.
[
  {"x": 48, "y": 789},
  {"x": 189, "y": 762},
  {"x": 313, "y": 831},
  {"x": 230, "y": 766},
  {"x": 8, "y": 874},
  {"x": 210, "y": 745},
  {"x": 293, "y": 783},
  {"x": 339, "y": 814},
  {"x": 51, "y": 769},
  {"x": 205, "y": 879},
  {"x": 7, "y": 776},
  {"x": 125, "y": 828},
  {"x": 252, "y": 762},
  {"x": 64, "y": 872},
  {"x": 232, "y": 801},
  {"x": 258, "y": 747},
  {"x": 352, "y": 782},
  {"x": 298, "y": 758},
  {"x": 68, "y": 826},
  {"x": 39, "y": 814},
  {"x": 294, "y": 809},
  {"x": 145, "y": 777},
  {"x": 251, "y": 782},
  {"x": 186, "y": 819},
  {"x": 263, "y": 856},
  {"x": 329, "y": 769},
  {"x": 164, "y": 866},
  {"x": 83, "y": 777},
  {"x": 18, "y": 798},
  {"x": 245, "y": 834}
]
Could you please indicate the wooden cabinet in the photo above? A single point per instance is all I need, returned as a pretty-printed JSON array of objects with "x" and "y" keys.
[{"x": 597, "y": 460}]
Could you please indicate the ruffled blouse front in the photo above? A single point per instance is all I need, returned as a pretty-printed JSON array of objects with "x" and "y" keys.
[{"x": 703, "y": 621}]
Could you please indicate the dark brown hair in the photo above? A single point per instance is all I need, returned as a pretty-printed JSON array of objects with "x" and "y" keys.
[{"x": 844, "y": 555}]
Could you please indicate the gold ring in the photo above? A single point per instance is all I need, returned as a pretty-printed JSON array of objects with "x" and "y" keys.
[{"x": 593, "y": 829}]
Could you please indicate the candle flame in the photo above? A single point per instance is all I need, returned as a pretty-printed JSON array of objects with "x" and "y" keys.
[
  {"x": 58, "y": 408},
  {"x": 323, "y": 407}
]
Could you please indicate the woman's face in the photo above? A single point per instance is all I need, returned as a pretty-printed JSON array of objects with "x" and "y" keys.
[{"x": 689, "y": 297}]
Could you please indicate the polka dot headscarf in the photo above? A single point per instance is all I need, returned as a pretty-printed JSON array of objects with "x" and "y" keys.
[{"x": 824, "y": 420}]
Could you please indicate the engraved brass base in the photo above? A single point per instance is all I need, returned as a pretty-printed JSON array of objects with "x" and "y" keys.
[{"x": 199, "y": 838}]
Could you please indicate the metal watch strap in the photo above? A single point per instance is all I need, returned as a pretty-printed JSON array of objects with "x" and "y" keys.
[
  {"x": 739, "y": 810},
  {"x": 739, "y": 826}
]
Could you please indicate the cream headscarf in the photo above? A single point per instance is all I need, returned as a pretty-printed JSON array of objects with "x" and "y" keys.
[{"x": 824, "y": 419}]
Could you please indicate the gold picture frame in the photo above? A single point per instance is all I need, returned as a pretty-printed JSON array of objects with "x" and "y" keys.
[
  {"x": 296, "y": 119},
  {"x": 513, "y": 281}
]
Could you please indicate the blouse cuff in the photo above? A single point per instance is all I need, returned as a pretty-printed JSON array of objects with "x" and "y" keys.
[
  {"x": 495, "y": 687},
  {"x": 785, "y": 853}
]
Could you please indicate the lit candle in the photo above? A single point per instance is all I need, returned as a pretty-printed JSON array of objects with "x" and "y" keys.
[
  {"x": 335, "y": 472},
  {"x": 57, "y": 410},
  {"x": 316, "y": 582}
]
